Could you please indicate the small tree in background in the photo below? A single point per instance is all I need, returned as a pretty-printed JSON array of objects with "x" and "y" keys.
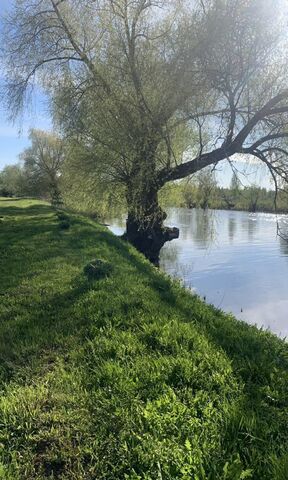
[
  {"x": 189, "y": 193},
  {"x": 251, "y": 197},
  {"x": 207, "y": 185},
  {"x": 234, "y": 189},
  {"x": 12, "y": 181},
  {"x": 43, "y": 162}
]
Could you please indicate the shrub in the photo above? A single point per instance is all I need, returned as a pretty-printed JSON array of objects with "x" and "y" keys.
[
  {"x": 62, "y": 215},
  {"x": 97, "y": 269},
  {"x": 64, "y": 225}
]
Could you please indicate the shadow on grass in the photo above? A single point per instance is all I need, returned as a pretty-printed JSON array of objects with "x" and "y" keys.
[
  {"x": 43, "y": 333},
  {"x": 31, "y": 326},
  {"x": 9, "y": 199},
  {"x": 11, "y": 211}
]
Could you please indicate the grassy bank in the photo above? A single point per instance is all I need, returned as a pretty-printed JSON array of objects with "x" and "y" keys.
[{"x": 127, "y": 377}]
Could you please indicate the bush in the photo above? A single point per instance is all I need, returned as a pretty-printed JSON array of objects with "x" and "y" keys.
[
  {"x": 62, "y": 215},
  {"x": 65, "y": 225},
  {"x": 97, "y": 269}
]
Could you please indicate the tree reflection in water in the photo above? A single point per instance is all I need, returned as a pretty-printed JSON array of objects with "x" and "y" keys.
[{"x": 232, "y": 228}]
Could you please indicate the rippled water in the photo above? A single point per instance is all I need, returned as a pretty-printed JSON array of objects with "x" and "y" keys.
[{"x": 235, "y": 260}]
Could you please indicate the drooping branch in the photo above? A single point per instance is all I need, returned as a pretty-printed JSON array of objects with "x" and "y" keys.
[{"x": 77, "y": 48}]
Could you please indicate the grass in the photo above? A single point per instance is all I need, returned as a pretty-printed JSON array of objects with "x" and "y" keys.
[{"x": 128, "y": 376}]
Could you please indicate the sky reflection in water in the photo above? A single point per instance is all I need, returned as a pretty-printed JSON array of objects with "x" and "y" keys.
[{"x": 234, "y": 259}]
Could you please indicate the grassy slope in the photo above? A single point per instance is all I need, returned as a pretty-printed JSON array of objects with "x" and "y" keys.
[{"x": 129, "y": 377}]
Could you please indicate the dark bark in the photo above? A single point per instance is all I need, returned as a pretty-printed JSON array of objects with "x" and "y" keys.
[
  {"x": 56, "y": 197},
  {"x": 150, "y": 239},
  {"x": 145, "y": 223}
]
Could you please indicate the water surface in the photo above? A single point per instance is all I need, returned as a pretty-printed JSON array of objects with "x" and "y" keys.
[{"x": 235, "y": 260}]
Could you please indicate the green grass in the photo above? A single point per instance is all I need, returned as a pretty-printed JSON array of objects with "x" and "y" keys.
[{"x": 128, "y": 376}]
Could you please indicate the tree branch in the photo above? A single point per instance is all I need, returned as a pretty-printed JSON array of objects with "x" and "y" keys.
[
  {"x": 82, "y": 54},
  {"x": 262, "y": 113}
]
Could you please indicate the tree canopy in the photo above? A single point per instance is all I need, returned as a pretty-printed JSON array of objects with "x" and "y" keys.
[{"x": 11, "y": 181}]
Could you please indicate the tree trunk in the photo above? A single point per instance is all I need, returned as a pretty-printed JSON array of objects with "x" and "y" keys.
[
  {"x": 145, "y": 228},
  {"x": 55, "y": 194}
]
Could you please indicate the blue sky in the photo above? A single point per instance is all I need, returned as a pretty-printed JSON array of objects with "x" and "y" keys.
[{"x": 14, "y": 137}]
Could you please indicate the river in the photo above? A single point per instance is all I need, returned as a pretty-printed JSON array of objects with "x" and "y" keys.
[{"x": 234, "y": 260}]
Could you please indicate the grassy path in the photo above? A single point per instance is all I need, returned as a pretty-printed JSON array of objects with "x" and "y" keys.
[{"x": 128, "y": 377}]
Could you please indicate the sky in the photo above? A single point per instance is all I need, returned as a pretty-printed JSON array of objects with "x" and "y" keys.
[{"x": 14, "y": 137}]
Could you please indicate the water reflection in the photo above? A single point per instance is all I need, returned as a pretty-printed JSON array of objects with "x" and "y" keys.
[
  {"x": 232, "y": 228},
  {"x": 251, "y": 227},
  {"x": 283, "y": 240},
  {"x": 234, "y": 259},
  {"x": 199, "y": 224}
]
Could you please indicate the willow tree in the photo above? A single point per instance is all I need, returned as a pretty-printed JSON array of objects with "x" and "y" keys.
[
  {"x": 43, "y": 162},
  {"x": 154, "y": 90}
]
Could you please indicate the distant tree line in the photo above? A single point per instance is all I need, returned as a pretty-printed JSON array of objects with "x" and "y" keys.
[{"x": 203, "y": 191}]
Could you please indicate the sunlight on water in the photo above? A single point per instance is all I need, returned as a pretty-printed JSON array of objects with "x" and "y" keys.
[{"x": 235, "y": 260}]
